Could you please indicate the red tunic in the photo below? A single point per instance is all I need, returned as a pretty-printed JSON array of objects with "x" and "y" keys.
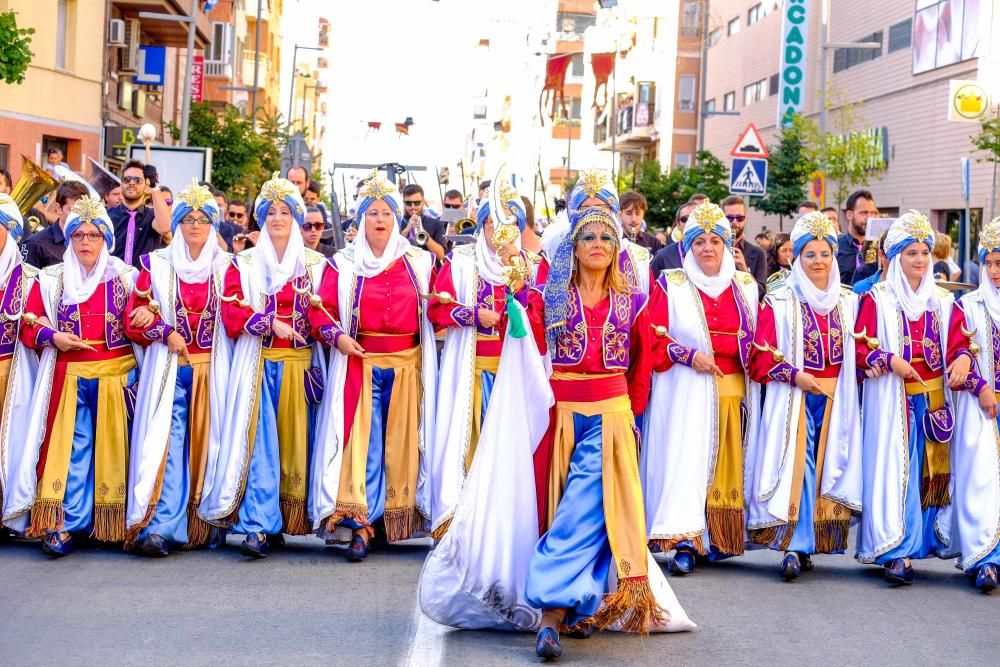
[
  {"x": 958, "y": 344},
  {"x": 868, "y": 322},
  {"x": 763, "y": 367},
  {"x": 491, "y": 297},
  {"x": 239, "y": 319},
  {"x": 722, "y": 316},
  {"x": 93, "y": 314},
  {"x": 193, "y": 297}
]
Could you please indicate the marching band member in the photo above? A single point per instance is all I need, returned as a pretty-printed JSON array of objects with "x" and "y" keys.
[
  {"x": 595, "y": 327},
  {"x": 807, "y": 458},
  {"x": 174, "y": 311},
  {"x": 472, "y": 291},
  {"x": 370, "y": 463},
  {"x": 974, "y": 355},
  {"x": 906, "y": 420},
  {"x": 18, "y": 365},
  {"x": 693, "y": 470},
  {"x": 257, "y": 476},
  {"x": 78, "y": 429}
]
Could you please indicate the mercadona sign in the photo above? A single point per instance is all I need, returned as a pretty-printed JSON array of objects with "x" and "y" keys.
[{"x": 792, "y": 75}]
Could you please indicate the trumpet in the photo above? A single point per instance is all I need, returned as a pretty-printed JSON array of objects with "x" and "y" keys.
[{"x": 420, "y": 234}]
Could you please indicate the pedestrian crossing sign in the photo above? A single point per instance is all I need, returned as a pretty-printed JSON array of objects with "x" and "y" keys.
[{"x": 748, "y": 177}]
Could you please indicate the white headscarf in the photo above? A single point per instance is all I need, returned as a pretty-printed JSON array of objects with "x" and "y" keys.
[
  {"x": 708, "y": 218},
  {"x": 195, "y": 197},
  {"x": 989, "y": 241},
  {"x": 10, "y": 218},
  {"x": 292, "y": 264},
  {"x": 366, "y": 264},
  {"x": 813, "y": 226},
  {"x": 912, "y": 227},
  {"x": 78, "y": 283}
]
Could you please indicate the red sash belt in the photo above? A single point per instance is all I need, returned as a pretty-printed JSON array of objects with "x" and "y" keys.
[{"x": 388, "y": 343}]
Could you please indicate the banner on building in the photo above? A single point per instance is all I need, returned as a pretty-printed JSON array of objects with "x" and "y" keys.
[
  {"x": 603, "y": 65},
  {"x": 555, "y": 80},
  {"x": 792, "y": 75},
  {"x": 117, "y": 139},
  {"x": 198, "y": 78}
]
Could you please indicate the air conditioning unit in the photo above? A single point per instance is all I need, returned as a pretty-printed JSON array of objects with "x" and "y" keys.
[
  {"x": 129, "y": 55},
  {"x": 116, "y": 32}
]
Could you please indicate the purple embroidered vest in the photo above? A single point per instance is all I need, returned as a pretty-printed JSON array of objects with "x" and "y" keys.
[{"x": 615, "y": 334}]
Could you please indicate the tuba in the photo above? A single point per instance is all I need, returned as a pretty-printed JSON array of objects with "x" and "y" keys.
[
  {"x": 464, "y": 225},
  {"x": 33, "y": 183}
]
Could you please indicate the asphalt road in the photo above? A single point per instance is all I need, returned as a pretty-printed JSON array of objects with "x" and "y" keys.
[{"x": 306, "y": 605}]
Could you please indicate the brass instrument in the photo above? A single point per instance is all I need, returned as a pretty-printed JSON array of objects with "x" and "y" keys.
[
  {"x": 464, "y": 225},
  {"x": 32, "y": 184},
  {"x": 420, "y": 234}
]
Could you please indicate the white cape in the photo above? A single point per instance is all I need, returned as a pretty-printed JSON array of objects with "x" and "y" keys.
[
  {"x": 475, "y": 578},
  {"x": 157, "y": 384}
]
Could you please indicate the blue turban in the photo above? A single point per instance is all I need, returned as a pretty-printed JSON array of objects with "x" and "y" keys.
[
  {"x": 593, "y": 183},
  {"x": 810, "y": 227},
  {"x": 195, "y": 197},
  {"x": 10, "y": 217},
  {"x": 279, "y": 190},
  {"x": 704, "y": 219},
  {"x": 90, "y": 209},
  {"x": 911, "y": 227}
]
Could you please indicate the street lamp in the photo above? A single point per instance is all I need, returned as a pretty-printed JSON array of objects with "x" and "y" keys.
[
  {"x": 190, "y": 20},
  {"x": 291, "y": 93}
]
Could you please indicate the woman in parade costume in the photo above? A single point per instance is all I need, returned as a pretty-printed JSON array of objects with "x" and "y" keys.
[
  {"x": 78, "y": 428},
  {"x": 472, "y": 292},
  {"x": 18, "y": 364},
  {"x": 807, "y": 458},
  {"x": 370, "y": 461},
  {"x": 906, "y": 421},
  {"x": 256, "y": 477},
  {"x": 174, "y": 311},
  {"x": 693, "y": 472},
  {"x": 974, "y": 354}
]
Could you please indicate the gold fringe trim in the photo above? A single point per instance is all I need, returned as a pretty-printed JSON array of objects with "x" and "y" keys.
[
  {"x": 109, "y": 522},
  {"x": 766, "y": 536},
  {"x": 633, "y": 604},
  {"x": 46, "y": 516},
  {"x": 439, "y": 532},
  {"x": 355, "y": 512},
  {"x": 666, "y": 545},
  {"x": 400, "y": 524},
  {"x": 934, "y": 491},
  {"x": 199, "y": 531},
  {"x": 831, "y": 536},
  {"x": 293, "y": 515},
  {"x": 725, "y": 529}
]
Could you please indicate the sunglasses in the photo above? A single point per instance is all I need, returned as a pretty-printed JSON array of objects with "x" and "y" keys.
[
  {"x": 191, "y": 220},
  {"x": 93, "y": 237},
  {"x": 237, "y": 216},
  {"x": 683, "y": 219},
  {"x": 452, "y": 206},
  {"x": 315, "y": 226},
  {"x": 735, "y": 218},
  {"x": 132, "y": 179},
  {"x": 413, "y": 202},
  {"x": 606, "y": 239}
]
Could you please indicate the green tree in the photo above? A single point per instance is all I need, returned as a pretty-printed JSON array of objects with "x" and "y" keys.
[
  {"x": 241, "y": 158},
  {"x": 788, "y": 170},
  {"x": 15, "y": 56},
  {"x": 988, "y": 139},
  {"x": 666, "y": 191}
]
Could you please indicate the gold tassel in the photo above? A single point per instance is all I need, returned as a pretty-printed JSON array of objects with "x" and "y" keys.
[
  {"x": 109, "y": 522},
  {"x": 698, "y": 542},
  {"x": 831, "y": 536},
  {"x": 765, "y": 536},
  {"x": 400, "y": 524},
  {"x": 934, "y": 491},
  {"x": 633, "y": 604},
  {"x": 441, "y": 530},
  {"x": 725, "y": 529},
  {"x": 199, "y": 531},
  {"x": 293, "y": 515},
  {"x": 46, "y": 516},
  {"x": 355, "y": 512}
]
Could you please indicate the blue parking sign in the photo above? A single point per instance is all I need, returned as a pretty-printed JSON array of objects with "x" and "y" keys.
[{"x": 748, "y": 177}]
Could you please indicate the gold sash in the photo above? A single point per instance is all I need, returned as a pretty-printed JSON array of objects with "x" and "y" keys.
[
  {"x": 724, "y": 506},
  {"x": 489, "y": 364}
]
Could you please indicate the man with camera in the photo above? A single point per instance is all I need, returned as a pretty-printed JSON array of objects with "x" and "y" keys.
[
  {"x": 139, "y": 227},
  {"x": 422, "y": 230}
]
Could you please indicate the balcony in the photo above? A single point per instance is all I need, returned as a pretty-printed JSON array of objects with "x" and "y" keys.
[
  {"x": 265, "y": 10},
  {"x": 634, "y": 128},
  {"x": 218, "y": 70},
  {"x": 262, "y": 69},
  {"x": 166, "y": 33}
]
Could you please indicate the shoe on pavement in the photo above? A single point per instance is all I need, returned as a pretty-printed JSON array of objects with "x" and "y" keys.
[
  {"x": 899, "y": 573},
  {"x": 254, "y": 546},
  {"x": 683, "y": 563},
  {"x": 357, "y": 551},
  {"x": 155, "y": 546},
  {"x": 55, "y": 546},
  {"x": 986, "y": 580},
  {"x": 790, "y": 567},
  {"x": 547, "y": 644}
]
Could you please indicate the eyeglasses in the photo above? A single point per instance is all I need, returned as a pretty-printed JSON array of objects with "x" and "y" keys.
[
  {"x": 606, "y": 239},
  {"x": 132, "y": 179},
  {"x": 93, "y": 237},
  {"x": 237, "y": 215},
  {"x": 314, "y": 226},
  {"x": 191, "y": 220},
  {"x": 452, "y": 206},
  {"x": 413, "y": 202},
  {"x": 683, "y": 219},
  {"x": 735, "y": 218}
]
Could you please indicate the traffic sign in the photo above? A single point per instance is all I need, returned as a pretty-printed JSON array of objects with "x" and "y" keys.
[
  {"x": 748, "y": 177},
  {"x": 750, "y": 144}
]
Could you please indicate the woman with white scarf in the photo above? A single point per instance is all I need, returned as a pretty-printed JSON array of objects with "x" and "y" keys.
[
  {"x": 693, "y": 471},
  {"x": 174, "y": 312},
  {"x": 906, "y": 420},
  {"x": 78, "y": 430},
  {"x": 806, "y": 463},
  {"x": 370, "y": 465},
  {"x": 256, "y": 477},
  {"x": 471, "y": 303},
  {"x": 974, "y": 355}
]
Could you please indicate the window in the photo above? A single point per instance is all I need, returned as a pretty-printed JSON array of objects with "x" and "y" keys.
[
  {"x": 710, "y": 105},
  {"x": 733, "y": 26},
  {"x": 479, "y": 112},
  {"x": 573, "y": 105},
  {"x": 576, "y": 65},
  {"x": 899, "y": 35},
  {"x": 62, "y": 17},
  {"x": 772, "y": 86},
  {"x": 220, "y": 50},
  {"x": 644, "y": 108},
  {"x": 948, "y": 31},
  {"x": 4, "y": 156},
  {"x": 682, "y": 160},
  {"x": 691, "y": 19},
  {"x": 574, "y": 23},
  {"x": 754, "y": 14},
  {"x": 686, "y": 88},
  {"x": 847, "y": 58},
  {"x": 729, "y": 101},
  {"x": 755, "y": 92},
  {"x": 714, "y": 36}
]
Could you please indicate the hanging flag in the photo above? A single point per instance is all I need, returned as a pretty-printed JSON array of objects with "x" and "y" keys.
[
  {"x": 555, "y": 79},
  {"x": 374, "y": 125},
  {"x": 209, "y": 5},
  {"x": 505, "y": 115},
  {"x": 402, "y": 128},
  {"x": 602, "y": 64}
]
